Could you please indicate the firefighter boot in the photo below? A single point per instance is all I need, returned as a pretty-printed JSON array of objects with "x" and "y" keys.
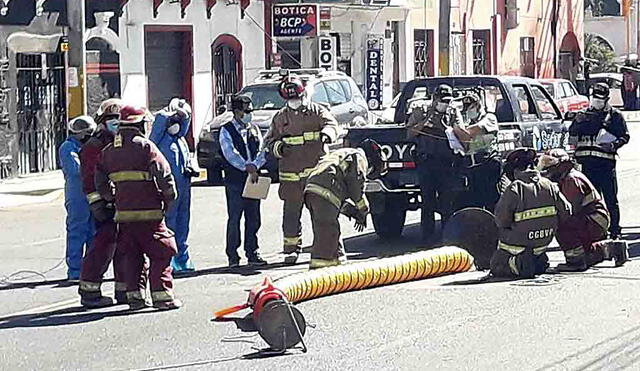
[
  {"x": 620, "y": 253},
  {"x": 291, "y": 258},
  {"x": 96, "y": 302},
  {"x": 168, "y": 305},
  {"x": 121, "y": 297},
  {"x": 576, "y": 267}
]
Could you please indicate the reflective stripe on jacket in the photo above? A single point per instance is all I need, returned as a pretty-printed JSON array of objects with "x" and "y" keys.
[{"x": 584, "y": 198}]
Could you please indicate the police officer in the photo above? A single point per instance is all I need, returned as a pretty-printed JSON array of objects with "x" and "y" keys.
[
  {"x": 144, "y": 191},
  {"x": 579, "y": 235},
  {"x": 436, "y": 160},
  {"x": 337, "y": 185},
  {"x": 601, "y": 130},
  {"x": 241, "y": 147},
  {"x": 479, "y": 163},
  {"x": 168, "y": 132},
  {"x": 80, "y": 227},
  {"x": 297, "y": 137},
  {"x": 97, "y": 260},
  {"x": 527, "y": 215}
]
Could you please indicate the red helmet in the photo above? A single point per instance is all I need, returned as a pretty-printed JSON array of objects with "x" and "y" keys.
[
  {"x": 134, "y": 115},
  {"x": 291, "y": 88}
]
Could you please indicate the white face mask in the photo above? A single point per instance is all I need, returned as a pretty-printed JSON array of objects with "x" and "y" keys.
[
  {"x": 473, "y": 114},
  {"x": 294, "y": 103},
  {"x": 246, "y": 119},
  {"x": 441, "y": 106},
  {"x": 597, "y": 103},
  {"x": 173, "y": 129}
]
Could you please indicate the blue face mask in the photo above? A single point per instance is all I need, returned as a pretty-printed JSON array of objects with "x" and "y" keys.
[{"x": 112, "y": 125}]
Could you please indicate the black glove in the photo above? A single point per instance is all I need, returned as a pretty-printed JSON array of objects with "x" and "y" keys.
[
  {"x": 360, "y": 224},
  {"x": 103, "y": 211},
  {"x": 349, "y": 210},
  {"x": 191, "y": 172}
]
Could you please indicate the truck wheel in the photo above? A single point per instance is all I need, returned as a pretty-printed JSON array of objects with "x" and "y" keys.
[
  {"x": 214, "y": 176},
  {"x": 390, "y": 223}
]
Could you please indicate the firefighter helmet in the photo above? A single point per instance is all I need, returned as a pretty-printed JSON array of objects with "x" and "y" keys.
[
  {"x": 82, "y": 125},
  {"x": 291, "y": 88},
  {"x": 134, "y": 115},
  {"x": 375, "y": 158},
  {"x": 108, "y": 109}
]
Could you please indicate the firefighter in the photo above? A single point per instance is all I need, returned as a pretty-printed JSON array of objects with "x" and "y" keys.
[
  {"x": 479, "y": 163},
  {"x": 168, "y": 132},
  {"x": 297, "y": 137},
  {"x": 338, "y": 178},
  {"x": 436, "y": 160},
  {"x": 80, "y": 228},
  {"x": 589, "y": 220},
  {"x": 144, "y": 191},
  {"x": 96, "y": 262},
  {"x": 601, "y": 130},
  {"x": 527, "y": 215}
]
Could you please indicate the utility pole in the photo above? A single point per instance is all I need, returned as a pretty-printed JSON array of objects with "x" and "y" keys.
[
  {"x": 76, "y": 58},
  {"x": 444, "y": 37}
]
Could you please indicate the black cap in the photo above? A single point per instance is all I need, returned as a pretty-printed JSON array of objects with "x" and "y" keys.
[
  {"x": 600, "y": 90},
  {"x": 443, "y": 92},
  {"x": 238, "y": 102}
]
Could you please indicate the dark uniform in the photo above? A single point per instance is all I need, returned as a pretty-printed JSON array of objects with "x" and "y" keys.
[
  {"x": 438, "y": 170},
  {"x": 295, "y": 140},
  {"x": 339, "y": 176},
  {"x": 527, "y": 215},
  {"x": 144, "y": 189},
  {"x": 600, "y": 133}
]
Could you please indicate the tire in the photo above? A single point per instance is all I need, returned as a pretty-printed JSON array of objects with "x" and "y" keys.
[
  {"x": 390, "y": 222},
  {"x": 214, "y": 176}
]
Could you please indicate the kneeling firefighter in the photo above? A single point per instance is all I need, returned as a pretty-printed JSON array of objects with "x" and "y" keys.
[
  {"x": 338, "y": 178},
  {"x": 590, "y": 219},
  {"x": 527, "y": 215},
  {"x": 144, "y": 191}
]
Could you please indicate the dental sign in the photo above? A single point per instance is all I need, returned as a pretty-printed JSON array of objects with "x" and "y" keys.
[{"x": 295, "y": 20}]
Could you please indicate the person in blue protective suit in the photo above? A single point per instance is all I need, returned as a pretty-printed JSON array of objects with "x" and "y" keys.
[
  {"x": 168, "y": 132},
  {"x": 80, "y": 229}
]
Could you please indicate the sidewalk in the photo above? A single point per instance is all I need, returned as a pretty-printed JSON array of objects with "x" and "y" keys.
[{"x": 31, "y": 189}]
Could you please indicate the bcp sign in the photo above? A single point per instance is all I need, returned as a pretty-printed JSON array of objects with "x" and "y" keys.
[
  {"x": 295, "y": 20},
  {"x": 327, "y": 53}
]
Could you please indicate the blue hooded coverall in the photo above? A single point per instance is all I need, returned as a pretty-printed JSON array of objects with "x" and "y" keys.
[
  {"x": 176, "y": 151},
  {"x": 80, "y": 228}
]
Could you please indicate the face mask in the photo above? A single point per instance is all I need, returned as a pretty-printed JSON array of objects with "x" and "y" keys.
[
  {"x": 442, "y": 106},
  {"x": 246, "y": 119},
  {"x": 112, "y": 125},
  {"x": 173, "y": 129},
  {"x": 473, "y": 114},
  {"x": 597, "y": 103},
  {"x": 294, "y": 103}
]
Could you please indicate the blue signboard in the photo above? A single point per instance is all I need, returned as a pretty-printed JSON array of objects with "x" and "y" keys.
[
  {"x": 295, "y": 20},
  {"x": 374, "y": 74}
]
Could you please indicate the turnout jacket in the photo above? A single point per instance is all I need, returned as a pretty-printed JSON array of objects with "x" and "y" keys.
[
  {"x": 339, "y": 176},
  {"x": 301, "y": 131},
  {"x": 584, "y": 198},
  {"x": 144, "y": 186},
  {"x": 89, "y": 156},
  {"x": 528, "y": 213},
  {"x": 587, "y": 126}
]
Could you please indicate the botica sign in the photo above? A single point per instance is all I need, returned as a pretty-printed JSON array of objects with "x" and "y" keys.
[{"x": 295, "y": 20}]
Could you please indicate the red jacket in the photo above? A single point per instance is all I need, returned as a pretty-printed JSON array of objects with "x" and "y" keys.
[
  {"x": 89, "y": 156},
  {"x": 584, "y": 198},
  {"x": 144, "y": 186}
]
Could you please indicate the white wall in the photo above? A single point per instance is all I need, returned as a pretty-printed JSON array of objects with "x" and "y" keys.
[
  {"x": 613, "y": 29},
  {"x": 224, "y": 20}
]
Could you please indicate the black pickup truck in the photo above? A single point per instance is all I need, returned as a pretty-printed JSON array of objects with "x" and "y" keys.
[{"x": 527, "y": 115}]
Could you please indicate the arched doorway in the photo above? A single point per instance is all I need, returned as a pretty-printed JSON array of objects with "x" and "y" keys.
[
  {"x": 569, "y": 57},
  {"x": 226, "y": 53},
  {"x": 103, "y": 73}
]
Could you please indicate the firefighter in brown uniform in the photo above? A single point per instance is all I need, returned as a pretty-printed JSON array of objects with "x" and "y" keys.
[
  {"x": 527, "y": 214},
  {"x": 336, "y": 186},
  {"x": 298, "y": 134},
  {"x": 144, "y": 190}
]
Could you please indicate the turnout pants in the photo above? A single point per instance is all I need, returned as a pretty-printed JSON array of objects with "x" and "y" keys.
[
  {"x": 577, "y": 235},
  {"x": 327, "y": 244},
  {"x": 157, "y": 242},
  {"x": 523, "y": 265},
  {"x": 605, "y": 180},
  {"x": 97, "y": 260},
  {"x": 237, "y": 206},
  {"x": 292, "y": 193}
]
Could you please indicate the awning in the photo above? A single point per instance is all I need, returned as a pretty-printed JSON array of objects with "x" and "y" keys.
[{"x": 24, "y": 42}]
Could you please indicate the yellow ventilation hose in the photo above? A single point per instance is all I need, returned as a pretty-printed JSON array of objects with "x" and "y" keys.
[{"x": 355, "y": 276}]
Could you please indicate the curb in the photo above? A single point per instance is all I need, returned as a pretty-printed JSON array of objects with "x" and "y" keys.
[{"x": 10, "y": 201}]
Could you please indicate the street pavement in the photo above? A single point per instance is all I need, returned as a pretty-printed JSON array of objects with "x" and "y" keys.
[{"x": 585, "y": 321}]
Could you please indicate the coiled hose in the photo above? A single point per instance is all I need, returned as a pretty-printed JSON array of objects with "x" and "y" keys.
[{"x": 355, "y": 276}]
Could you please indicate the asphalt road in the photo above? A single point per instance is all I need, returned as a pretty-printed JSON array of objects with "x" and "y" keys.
[{"x": 586, "y": 321}]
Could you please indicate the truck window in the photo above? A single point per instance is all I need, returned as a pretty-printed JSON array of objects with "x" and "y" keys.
[
  {"x": 319, "y": 94},
  {"x": 526, "y": 103},
  {"x": 544, "y": 104},
  {"x": 335, "y": 92}
]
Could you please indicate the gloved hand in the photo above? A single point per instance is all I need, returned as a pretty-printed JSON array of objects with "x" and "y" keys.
[
  {"x": 103, "y": 211},
  {"x": 360, "y": 224},
  {"x": 349, "y": 210},
  {"x": 191, "y": 172}
]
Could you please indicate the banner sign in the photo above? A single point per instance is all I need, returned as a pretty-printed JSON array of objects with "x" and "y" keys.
[
  {"x": 374, "y": 74},
  {"x": 295, "y": 20},
  {"x": 327, "y": 53},
  {"x": 325, "y": 18}
]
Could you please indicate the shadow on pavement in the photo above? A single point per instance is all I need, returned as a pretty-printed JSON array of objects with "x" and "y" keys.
[{"x": 61, "y": 317}]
